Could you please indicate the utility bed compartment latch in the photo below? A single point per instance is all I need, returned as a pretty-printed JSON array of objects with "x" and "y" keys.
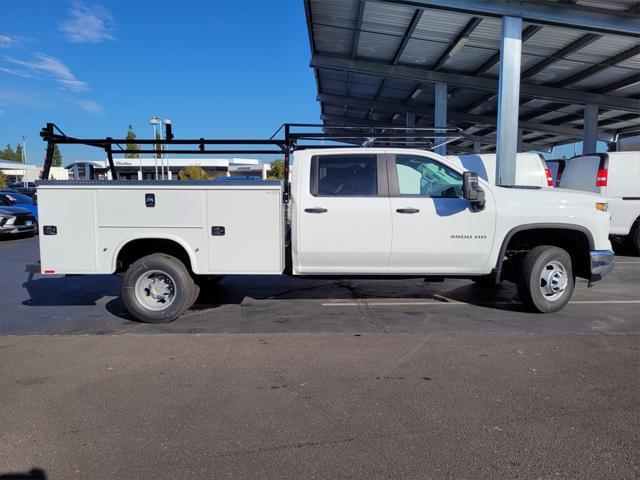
[{"x": 217, "y": 231}]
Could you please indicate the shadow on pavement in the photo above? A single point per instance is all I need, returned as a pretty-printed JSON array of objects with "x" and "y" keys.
[
  {"x": 70, "y": 289},
  {"x": 234, "y": 290}
]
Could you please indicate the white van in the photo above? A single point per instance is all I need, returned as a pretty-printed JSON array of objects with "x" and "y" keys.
[
  {"x": 616, "y": 176},
  {"x": 531, "y": 168}
]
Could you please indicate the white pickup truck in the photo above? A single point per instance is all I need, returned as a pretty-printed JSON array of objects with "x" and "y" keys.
[{"x": 352, "y": 212}]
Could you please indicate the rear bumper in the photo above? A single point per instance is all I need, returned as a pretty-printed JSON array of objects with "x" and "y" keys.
[{"x": 602, "y": 262}]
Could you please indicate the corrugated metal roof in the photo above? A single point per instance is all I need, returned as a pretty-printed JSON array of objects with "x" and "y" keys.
[{"x": 380, "y": 32}]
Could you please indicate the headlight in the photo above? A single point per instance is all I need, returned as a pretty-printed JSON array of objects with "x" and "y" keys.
[{"x": 602, "y": 206}]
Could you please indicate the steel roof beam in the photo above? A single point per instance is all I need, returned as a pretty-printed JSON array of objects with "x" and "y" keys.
[
  {"x": 468, "y": 81},
  {"x": 356, "y": 32},
  {"x": 573, "y": 47},
  {"x": 427, "y": 111},
  {"x": 403, "y": 45},
  {"x": 610, "y": 62},
  {"x": 407, "y": 35},
  {"x": 355, "y": 122},
  {"x": 461, "y": 39},
  {"x": 542, "y": 11},
  {"x": 527, "y": 33}
]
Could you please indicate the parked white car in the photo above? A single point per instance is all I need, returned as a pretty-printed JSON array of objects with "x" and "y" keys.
[
  {"x": 531, "y": 168},
  {"x": 615, "y": 176},
  {"x": 354, "y": 212}
]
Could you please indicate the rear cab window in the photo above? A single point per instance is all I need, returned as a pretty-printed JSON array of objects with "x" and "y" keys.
[{"x": 347, "y": 175}]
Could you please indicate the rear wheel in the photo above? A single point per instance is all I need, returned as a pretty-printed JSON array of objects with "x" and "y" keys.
[
  {"x": 158, "y": 289},
  {"x": 545, "y": 279}
]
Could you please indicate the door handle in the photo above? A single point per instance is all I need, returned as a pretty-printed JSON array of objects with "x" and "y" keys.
[
  {"x": 407, "y": 210},
  {"x": 315, "y": 210}
]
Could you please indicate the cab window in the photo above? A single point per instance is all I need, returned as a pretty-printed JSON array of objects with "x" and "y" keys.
[
  {"x": 344, "y": 175},
  {"x": 421, "y": 176}
]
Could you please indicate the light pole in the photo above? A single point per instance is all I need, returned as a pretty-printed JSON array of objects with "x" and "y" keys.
[
  {"x": 166, "y": 122},
  {"x": 155, "y": 121},
  {"x": 24, "y": 149}
]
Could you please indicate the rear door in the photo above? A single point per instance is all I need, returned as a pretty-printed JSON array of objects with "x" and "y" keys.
[
  {"x": 581, "y": 173},
  {"x": 344, "y": 219},
  {"x": 434, "y": 229}
]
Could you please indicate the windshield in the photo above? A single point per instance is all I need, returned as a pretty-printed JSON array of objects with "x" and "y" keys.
[{"x": 16, "y": 199}]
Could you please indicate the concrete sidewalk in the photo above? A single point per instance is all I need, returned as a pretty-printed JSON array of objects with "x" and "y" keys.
[{"x": 321, "y": 405}]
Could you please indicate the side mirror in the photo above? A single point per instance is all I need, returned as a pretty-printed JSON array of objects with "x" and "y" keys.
[{"x": 472, "y": 191}]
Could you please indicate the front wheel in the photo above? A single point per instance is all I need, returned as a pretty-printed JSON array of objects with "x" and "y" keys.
[
  {"x": 633, "y": 240},
  {"x": 157, "y": 289},
  {"x": 545, "y": 279}
]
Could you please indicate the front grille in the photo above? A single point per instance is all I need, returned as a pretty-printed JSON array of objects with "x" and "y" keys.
[{"x": 21, "y": 220}]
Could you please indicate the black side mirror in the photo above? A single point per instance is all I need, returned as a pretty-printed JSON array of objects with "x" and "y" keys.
[{"x": 472, "y": 191}]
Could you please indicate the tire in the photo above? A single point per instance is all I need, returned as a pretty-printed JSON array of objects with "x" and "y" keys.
[
  {"x": 545, "y": 279},
  {"x": 165, "y": 275},
  {"x": 632, "y": 240}
]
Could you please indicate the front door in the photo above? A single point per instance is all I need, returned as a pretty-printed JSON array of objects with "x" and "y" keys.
[
  {"x": 344, "y": 218},
  {"x": 434, "y": 230}
]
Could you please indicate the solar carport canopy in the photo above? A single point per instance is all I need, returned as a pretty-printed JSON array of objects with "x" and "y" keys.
[{"x": 377, "y": 62}]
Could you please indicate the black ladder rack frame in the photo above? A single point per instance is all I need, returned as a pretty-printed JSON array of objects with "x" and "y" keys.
[{"x": 367, "y": 136}]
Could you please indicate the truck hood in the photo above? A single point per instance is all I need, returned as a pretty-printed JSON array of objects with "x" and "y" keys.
[{"x": 549, "y": 196}]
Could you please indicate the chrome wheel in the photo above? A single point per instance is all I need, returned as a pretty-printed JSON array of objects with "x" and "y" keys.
[
  {"x": 553, "y": 280},
  {"x": 155, "y": 290}
]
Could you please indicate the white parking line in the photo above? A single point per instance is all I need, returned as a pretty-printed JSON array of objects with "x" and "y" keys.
[
  {"x": 628, "y": 263},
  {"x": 443, "y": 304}
]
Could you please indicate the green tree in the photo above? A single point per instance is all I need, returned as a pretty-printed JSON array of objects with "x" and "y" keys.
[
  {"x": 3, "y": 180},
  {"x": 277, "y": 169},
  {"x": 193, "y": 172},
  {"x": 132, "y": 148},
  {"x": 19, "y": 153},
  {"x": 8, "y": 154},
  {"x": 57, "y": 157}
]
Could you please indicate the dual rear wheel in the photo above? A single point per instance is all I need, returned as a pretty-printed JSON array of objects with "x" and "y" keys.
[{"x": 158, "y": 288}]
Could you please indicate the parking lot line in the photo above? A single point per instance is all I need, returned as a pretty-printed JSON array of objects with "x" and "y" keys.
[{"x": 405, "y": 304}]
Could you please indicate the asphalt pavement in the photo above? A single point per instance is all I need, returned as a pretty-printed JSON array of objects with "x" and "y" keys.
[
  {"x": 273, "y": 377},
  {"x": 37, "y": 304}
]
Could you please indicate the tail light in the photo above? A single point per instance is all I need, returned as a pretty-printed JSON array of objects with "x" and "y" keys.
[
  {"x": 547, "y": 171},
  {"x": 601, "y": 179}
]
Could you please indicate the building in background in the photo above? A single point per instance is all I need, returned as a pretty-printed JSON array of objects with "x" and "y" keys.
[
  {"x": 151, "y": 168},
  {"x": 24, "y": 172}
]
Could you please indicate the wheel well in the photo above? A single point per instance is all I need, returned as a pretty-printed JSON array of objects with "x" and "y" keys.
[
  {"x": 142, "y": 247},
  {"x": 575, "y": 242}
]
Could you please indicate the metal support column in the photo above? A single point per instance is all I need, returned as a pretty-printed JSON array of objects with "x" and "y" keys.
[
  {"x": 520, "y": 141},
  {"x": 441, "y": 112},
  {"x": 590, "y": 131},
  {"x": 508, "y": 100},
  {"x": 476, "y": 147},
  {"x": 410, "y": 122}
]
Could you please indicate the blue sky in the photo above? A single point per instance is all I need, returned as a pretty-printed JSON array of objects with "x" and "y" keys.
[{"x": 219, "y": 68}]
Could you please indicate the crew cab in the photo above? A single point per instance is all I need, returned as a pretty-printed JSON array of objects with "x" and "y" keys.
[{"x": 351, "y": 212}]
